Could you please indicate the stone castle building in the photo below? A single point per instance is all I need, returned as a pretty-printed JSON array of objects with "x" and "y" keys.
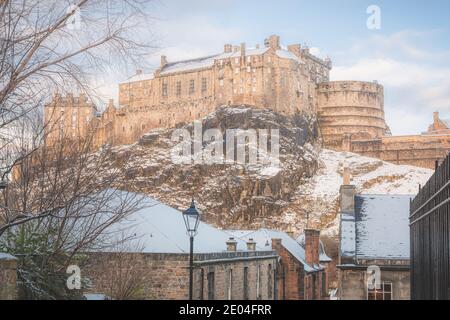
[{"x": 287, "y": 80}]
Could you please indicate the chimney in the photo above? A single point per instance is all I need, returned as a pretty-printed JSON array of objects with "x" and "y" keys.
[
  {"x": 243, "y": 49},
  {"x": 290, "y": 232},
  {"x": 436, "y": 117},
  {"x": 231, "y": 245},
  {"x": 272, "y": 42},
  {"x": 228, "y": 48},
  {"x": 251, "y": 245},
  {"x": 295, "y": 49},
  {"x": 163, "y": 61},
  {"x": 347, "y": 194},
  {"x": 346, "y": 176},
  {"x": 276, "y": 244},
  {"x": 236, "y": 49},
  {"x": 312, "y": 237}
]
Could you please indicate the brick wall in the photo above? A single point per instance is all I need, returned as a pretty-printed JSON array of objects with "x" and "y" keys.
[{"x": 8, "y": 277}]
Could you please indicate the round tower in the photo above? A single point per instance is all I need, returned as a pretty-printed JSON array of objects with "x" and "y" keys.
[{"x": 350, "y": 110}]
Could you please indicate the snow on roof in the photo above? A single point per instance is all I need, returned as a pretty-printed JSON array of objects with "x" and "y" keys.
[
  {"x": 263, "y": 238},
  {"x": 285, "y": 54},
  {"x": 7, "y": 256},
  {"x": 382, "y": 226},
  {"x": 140, "y": 77},
  {"x": 323, "y": 257},
  {"x": 157, "y": 228}
]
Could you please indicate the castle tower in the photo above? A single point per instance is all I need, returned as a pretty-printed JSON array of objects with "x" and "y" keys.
[{"x": 351, "y": 109}]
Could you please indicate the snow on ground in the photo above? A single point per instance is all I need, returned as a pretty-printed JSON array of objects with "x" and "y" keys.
[
  {"x": 319, "y": 194},
  {"x": 370, "y": 175}
]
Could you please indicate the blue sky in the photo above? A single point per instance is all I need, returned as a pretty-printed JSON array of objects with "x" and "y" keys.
[{"x": 409, "y": 55}]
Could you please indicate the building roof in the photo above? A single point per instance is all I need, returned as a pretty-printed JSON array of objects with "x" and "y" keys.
[
  {"x": 381, "y": 227},
  {"x": 157, "y": 228},
  {"x": 323, "y": 257},
  {"x": 263, "y": 238},
  {"x": 208, "y": 62}
]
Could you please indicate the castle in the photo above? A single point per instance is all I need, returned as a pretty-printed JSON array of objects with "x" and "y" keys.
[{"x": 287, "y": 80}]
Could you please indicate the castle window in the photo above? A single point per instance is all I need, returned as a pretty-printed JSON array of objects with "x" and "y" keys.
[
  {"x": 236, "y": 70},
  {"x": 242, "y": 90},
  {"x": 249, "y": 59},
  {"x": 164, "y": 89},
  {"x": 249, "y": 69},
  {"x": 254, "y": 89},
  {"x": 221, "y": 82},
  {"x": 236, "y": 60},
  {"x": 178, "y": 88},
  {"x": 246, "y": 295},
  {"x": 191, "y": 86},
  {"x": 204, "y": 85}
]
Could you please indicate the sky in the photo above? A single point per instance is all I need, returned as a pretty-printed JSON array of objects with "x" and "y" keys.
[{"x": 409, "y": 54}]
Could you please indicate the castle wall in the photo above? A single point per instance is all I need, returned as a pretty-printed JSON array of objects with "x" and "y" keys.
[
  {"x": 350, "y": 108},
  {"x": 415, "y": 150}
]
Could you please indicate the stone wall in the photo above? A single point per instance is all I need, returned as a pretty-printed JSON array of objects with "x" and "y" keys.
[
  {"x": 415, "y": 150},
  {"x": 353, "y": 283},
  {"x": 8, "y": 277},
  {"x": 166, "y": 276}
]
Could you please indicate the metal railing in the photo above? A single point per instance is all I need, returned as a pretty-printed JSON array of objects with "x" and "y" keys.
[{"x": 429, "y": 234}]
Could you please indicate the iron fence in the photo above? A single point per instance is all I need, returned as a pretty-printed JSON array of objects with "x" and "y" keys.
[{"x": 429, "y": 234}]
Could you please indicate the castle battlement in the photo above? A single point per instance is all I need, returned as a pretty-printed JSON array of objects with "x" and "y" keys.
[{"x": 285, "y": 79}]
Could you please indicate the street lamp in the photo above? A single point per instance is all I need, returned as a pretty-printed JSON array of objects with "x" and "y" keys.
[{"x": 191, "y": 217}]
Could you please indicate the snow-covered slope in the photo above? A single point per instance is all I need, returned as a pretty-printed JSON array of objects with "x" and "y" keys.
[{"x": 318, "y": 196}]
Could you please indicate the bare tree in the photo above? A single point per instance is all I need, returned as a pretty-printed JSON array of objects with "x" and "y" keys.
[{"x": 62, "y": 198}]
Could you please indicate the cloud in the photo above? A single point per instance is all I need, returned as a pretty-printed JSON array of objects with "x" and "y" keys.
[{"x": 416, "y": 84}]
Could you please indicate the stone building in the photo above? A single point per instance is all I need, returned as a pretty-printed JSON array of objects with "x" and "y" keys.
[
  {"x": 8, "y": 277},
  {"x": 302, "y": 270},
  {"x": 154, "y": 261},
  {"x": 287, "y": 80},
  {"x": 374, "y": 261}
]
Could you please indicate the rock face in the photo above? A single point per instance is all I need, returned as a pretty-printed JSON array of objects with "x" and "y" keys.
[
  {"x": 230, "y": 195},
  {"x": 302, "y": 192}
]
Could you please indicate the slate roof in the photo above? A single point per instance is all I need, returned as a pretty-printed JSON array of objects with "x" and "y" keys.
[
  {"x": 263, "y": 238},
  {"x": 157, "y": 228},
  {"x": 381, "y": 227}
]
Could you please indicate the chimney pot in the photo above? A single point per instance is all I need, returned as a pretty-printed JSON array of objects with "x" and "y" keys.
[
  {"x": 251, "y": 245},
  {"x": 231, "y": 245}
]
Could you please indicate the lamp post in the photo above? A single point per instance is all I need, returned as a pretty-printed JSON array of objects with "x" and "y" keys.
[{"x": 191, "y": 217}]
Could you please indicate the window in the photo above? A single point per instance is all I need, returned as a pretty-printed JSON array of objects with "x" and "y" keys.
[
  {"x": 269, "y": 282},
  {"x": 246, "y": 297},
  {"x": 178, "y": 88},
  {"x": 381, "y": 292},
  {"x": 164, "y": 89},
  {"x": 211, "y": 286},
  {"x": 191, "y": 86},
  {"x": 324, "y": 284},
  {"x": 258, "y": 280},
  {"x": 230, "y": 284},
  {"x": 249, "y": 59},
  {"x": 236, "y": 60},
  {"x": 221, "y": 82},
  {"x": 200, "y": 284},
  {"x": 236, "y": 70},
  {"x": 249, "y": 69},
  {"x": 204, "y": 85}
]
